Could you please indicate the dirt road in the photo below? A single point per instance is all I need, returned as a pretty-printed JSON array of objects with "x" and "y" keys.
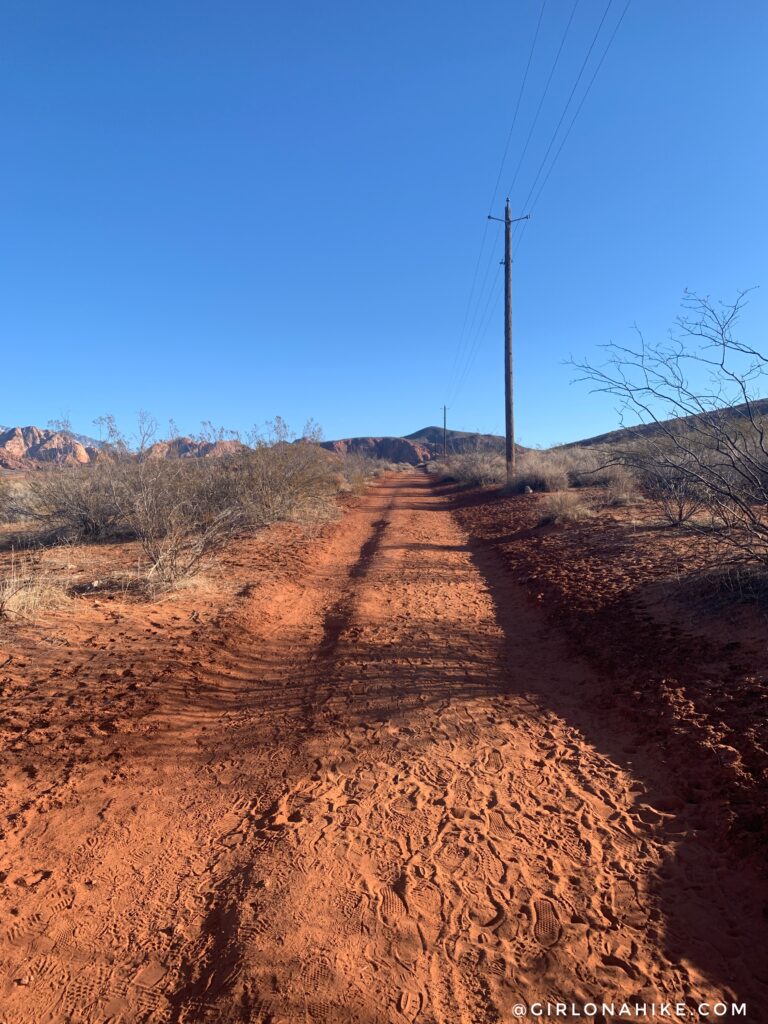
[{"x": 363, "y": 797}]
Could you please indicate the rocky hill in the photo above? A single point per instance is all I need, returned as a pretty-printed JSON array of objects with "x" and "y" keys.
[
  {"x": 189, "y": 448},
  {"x": 421, "y": 446},
  {"x": 392, "y": 449},
  {"x": 30, "y": 447},
  {"x": 459, "y": 440}
]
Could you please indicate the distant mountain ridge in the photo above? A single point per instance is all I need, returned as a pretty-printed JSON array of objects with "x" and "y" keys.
[
  {"x": 25, "y": 448},
  {"x": 421, "y": 446},
  {"x": 759, "y": 408}
]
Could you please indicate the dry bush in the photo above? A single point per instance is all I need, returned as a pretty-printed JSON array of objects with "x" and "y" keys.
[
  {"x": 80, "y": 502},
  {"x": 702, "y": 444},
  {"x": 272, "y": 482},
  {"x": 621, "y": 486},
  {"x": 541, "y": 471},
  {"x": 478, "y": 468},
  {"x": 358, "y": 469},
  {"x": 676, "y": 497},
  {"x": 27, "y": 588},
  {"x": 564, "y": 507},
  {"x": 9, "y": 499},
  {"x": 181, "y": 510}
]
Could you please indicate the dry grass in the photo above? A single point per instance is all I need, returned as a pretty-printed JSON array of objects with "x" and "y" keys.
[
  {"x": 564, "y": 507},
  {"x": 28, "y": 588},
  {"x": 477, "y": 469},
  {"x": 541, "y": 471}
]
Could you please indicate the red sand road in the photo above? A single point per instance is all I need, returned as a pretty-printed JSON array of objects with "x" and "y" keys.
[{"x": 382, "y": 791}]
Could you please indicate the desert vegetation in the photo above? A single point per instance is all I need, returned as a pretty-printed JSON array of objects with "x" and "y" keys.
[
  {"x": 545, "y": 471},
  {"x": 180, "y": 511},
  {"x": 700, "y": 452},
  {"x": 698, "y": 457}
]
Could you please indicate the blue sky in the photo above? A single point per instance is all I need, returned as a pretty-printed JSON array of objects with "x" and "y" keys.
[{"x": 235, "y": 210}]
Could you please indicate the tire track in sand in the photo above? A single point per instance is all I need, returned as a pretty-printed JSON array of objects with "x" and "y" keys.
[{"x": 369, "y": 815}]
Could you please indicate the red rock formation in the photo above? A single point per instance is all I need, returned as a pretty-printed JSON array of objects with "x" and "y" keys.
[
  {"x": 25, "y": 447},
  {"x": 188, "y": 448},
  {"x": 392, "y": 449}
]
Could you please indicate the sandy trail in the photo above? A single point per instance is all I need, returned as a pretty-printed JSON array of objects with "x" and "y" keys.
[{"x": 367, "y": 801}]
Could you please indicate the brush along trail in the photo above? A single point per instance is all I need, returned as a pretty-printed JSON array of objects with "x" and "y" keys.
[{"x": 360, "y": 796}]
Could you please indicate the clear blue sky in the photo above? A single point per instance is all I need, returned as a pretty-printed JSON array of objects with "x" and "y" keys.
[{"x": 233, "y": 210}]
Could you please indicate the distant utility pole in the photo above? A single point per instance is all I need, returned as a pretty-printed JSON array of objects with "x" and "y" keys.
[
  {"x": 509, "y": 400},
  {"x": 445, "y": 431}
]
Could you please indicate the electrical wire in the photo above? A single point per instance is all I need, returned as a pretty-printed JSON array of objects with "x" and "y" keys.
[
  {"x": 575, "y": 116},
  {"x": 568, "y": 103},
  {"x": 543, "y": 97},
  {"x": 463, "y": 339},
  {"x": 484, "y": 322}
]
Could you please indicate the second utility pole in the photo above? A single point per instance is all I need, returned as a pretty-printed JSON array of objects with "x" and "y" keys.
[{"x": 509, "y": 399}]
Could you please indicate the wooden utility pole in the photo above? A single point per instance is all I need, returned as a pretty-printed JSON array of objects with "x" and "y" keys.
[
  {"x": 445, "y": 431},
  {"x": 509, "y": 395},
  {"x": 509, "y": 398}
]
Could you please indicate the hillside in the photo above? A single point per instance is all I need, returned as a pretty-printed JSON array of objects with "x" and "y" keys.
[
  {"x": 421, "y": 446},
  {"x": 624, "y": 434}
]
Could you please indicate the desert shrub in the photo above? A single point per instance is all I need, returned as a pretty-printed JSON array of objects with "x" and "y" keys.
[
  {"x": 358, "y": 469},
  {"x": 564, "y": 507},
  {"x": 185, "y": 511},
  {"x": 621, "y": 486},
  {"x": 701, "y": 445},
  {"x": 478, "y": 468},
  {"x": 676, "y": 496},
  {"x": 181, "y": 510},
  {"x": 82, "y": 502},
  {"x": 272, "y": 481},
  {"x": 28, "y": 588},
  {"x": 541, "y": 471},
  {"x": 10, "y": 492}
]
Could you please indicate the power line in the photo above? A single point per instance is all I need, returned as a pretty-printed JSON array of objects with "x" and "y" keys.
[
  {"x": 517, "y": 105},
  {"x": 462, "y": 335},
  {"x": 578, "y": 110},
  {"x": 583, "y": 98},
  {"x": 543, "y": 97},
  {"x": 526, "y": 204},
  {"x": 490, "y": 306}
]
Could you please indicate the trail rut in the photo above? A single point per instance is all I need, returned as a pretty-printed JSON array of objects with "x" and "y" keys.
[{"x": 362, "y": 807}]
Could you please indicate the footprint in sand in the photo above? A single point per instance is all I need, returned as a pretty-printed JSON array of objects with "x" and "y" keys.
[
  {"x": 409, "y": 1003},
  {"x": 493, "y": 761},
  {"x": 546, "y": 924},
  {"x": 424, "y": 898},
  {"x": 498, "y": 827},
  {"x": 626, "y": 905},
  {"x": 392, "y": 906},
  {"x": 408, "y": 946}
]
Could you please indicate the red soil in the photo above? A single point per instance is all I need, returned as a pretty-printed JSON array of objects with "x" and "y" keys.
[{"x": 379, "y": 783}]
